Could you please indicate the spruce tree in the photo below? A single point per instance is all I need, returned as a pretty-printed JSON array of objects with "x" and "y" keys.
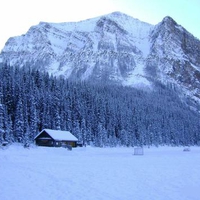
[
  {"x": 33, "y": 119},
  {"x": 1, "y": 117},
  {"x": 19, "y": 122}
]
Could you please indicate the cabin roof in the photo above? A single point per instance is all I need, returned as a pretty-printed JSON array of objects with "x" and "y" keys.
[{"x": 59, "y": 135}]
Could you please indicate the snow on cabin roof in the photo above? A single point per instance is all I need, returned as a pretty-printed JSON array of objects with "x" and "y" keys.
[{"x": 59, "y": 135}]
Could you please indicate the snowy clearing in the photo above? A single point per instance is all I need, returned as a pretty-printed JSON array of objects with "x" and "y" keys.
[{"x": 164, "y": 173}]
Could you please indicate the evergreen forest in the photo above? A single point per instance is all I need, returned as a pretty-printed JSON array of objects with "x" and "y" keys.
[{"x": 97, "y": 114}]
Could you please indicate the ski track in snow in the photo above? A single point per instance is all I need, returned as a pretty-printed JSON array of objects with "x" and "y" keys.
[{"x": 164, "y": 173}]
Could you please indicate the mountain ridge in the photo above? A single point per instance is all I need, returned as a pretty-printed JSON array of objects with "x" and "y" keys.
[{"x": 113, "y": 48}]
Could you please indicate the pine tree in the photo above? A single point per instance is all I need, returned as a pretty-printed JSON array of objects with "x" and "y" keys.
[
  {"x": 57, "y": 120},
  {"x": 8, "y": 128},
  {"x": 1, "y": 118},
  {"x": 101, "y": 136},
  {"x": 19, "y": 122},
  {"x": 84, "y": 132},
  {"x": 33, "y": 119},
  {"x": 77, "y": 131},
  {"x": 26, "y": 138}
]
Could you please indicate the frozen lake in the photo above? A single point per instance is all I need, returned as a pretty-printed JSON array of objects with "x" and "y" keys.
[{"x": 88, "y": 173}]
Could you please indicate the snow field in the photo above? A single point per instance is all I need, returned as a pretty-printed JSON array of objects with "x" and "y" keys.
[{"x": 164, "y": 173}]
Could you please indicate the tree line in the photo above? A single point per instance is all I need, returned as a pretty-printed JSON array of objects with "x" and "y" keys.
[{"x": 96, "y": 113}]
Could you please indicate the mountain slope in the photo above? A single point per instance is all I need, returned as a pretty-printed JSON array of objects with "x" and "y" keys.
[
  {"x": 108, "y": 47},
  {"x": 114, "y": 48},
  {"x": 176, "y": 55}
]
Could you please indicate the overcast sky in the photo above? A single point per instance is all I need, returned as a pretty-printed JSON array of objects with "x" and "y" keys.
[{"x": 17, "y": 16}]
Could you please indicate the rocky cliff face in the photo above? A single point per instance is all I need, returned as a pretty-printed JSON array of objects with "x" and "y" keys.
[
  {"x": 112, "y": 48},
  {"x": 175, "y": 56}
]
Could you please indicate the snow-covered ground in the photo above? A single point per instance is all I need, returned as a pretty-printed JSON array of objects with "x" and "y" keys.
[{"x": 164, "y": 173}]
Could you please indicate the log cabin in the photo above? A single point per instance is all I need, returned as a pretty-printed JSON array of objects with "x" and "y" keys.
[{"x": 55, "y": 138}]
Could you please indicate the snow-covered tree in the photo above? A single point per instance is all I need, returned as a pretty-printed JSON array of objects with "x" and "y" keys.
[
  {"x": 1, "y": 117},
  {"x": 19, "y": 122},
  {"x": 98, "y": 113},
  {"x": 33, "y": 118}
]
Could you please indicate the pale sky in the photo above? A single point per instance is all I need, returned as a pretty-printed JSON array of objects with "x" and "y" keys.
[{"x": 17, "y": 16}]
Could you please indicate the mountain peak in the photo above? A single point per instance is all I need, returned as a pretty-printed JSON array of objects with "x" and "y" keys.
[
  {"x": 169, "y": 20},
  {"x": 118, "y": 14}
]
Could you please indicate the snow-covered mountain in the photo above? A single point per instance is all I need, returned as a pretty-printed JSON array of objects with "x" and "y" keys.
[{"x": 112, "y": 48}]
